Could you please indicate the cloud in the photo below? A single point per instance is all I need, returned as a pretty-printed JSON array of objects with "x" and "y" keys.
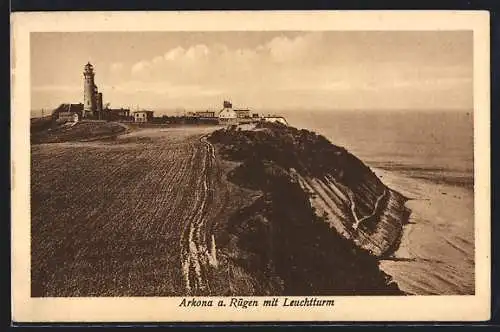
[
  {"x": 302, "y": 47},
  {"x": 216, "y": 64},
  {"x": 162, "y": 88},
  {"x": 140, "y": 67},
  {"x": 174, "y": 54},
  {"x": 116, "y": 67},
  {"x": 157, "y": 59},
  {"x": 197, "y": 52},
  {"x": 304, "y": 66}
]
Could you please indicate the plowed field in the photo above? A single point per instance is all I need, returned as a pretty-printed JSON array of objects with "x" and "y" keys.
[{"x": 128, "y": 217}]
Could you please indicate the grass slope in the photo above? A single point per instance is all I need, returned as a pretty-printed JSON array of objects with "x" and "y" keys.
[{"x": 44, "y": 132}]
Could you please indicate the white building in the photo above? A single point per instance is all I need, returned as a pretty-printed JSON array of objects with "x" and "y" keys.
[
  {"x": 278, "y": 119},
  {"x": 227, "y": 116},
  {"x": 242, "y": 114},
  {"x": 67, "y": 117}
]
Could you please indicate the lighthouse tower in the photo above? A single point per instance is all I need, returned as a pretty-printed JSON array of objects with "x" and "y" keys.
[{"x": 89, "y": 89}]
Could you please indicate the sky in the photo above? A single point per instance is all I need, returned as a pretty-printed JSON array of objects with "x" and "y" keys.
[{"x": 386, "y": 70}]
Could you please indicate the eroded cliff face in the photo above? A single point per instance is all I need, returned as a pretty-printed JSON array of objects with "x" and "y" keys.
[
  {"x": 369, "y": 213},
  {"x": 321, "y": 222}
]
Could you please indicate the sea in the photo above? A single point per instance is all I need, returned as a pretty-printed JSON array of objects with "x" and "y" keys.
[
  {"x": 437, "y": 145},
  {"x": 431, "y": 154}
]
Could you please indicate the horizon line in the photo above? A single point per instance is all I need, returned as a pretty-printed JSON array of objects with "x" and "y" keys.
[{"x": 284, "y": 108}]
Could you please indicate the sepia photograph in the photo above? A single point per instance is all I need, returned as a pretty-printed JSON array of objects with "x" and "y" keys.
[{"x": 295, "y": 165}]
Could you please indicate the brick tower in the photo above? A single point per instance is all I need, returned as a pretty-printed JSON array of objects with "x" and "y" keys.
[{"x": 89, "y": 88}]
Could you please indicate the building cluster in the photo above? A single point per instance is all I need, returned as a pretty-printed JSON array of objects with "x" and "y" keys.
[
  {"x": 93, "y": 109},
  {"x": 229, "y": 115}
]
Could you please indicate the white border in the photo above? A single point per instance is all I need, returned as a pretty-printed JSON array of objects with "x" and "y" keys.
[{"x": 347, "y": 308}]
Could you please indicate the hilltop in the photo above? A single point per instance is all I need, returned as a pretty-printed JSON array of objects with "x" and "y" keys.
[
  {"x": 46, "y": 130},
  {"x": 322, "y": 221}
]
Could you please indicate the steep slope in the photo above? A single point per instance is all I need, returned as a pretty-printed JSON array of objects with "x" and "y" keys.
[{"x": 321, "y": 222}]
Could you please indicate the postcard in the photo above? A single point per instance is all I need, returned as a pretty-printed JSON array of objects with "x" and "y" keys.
[{"x": 250, "y": 166}]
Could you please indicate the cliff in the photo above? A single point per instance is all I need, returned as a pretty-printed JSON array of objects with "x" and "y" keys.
[{"x": 321, "y": 222}]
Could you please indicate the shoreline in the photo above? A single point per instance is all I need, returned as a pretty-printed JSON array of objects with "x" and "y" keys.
[
  {"x": 440, "y": 176},
  {"x": 436, "y": 251}
]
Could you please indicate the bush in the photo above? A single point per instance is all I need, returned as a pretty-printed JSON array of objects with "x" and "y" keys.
[{"x": 289, "y": 147}]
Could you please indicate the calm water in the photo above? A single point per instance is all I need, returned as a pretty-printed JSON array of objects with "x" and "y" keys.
[{"x": 433, "y": 145}]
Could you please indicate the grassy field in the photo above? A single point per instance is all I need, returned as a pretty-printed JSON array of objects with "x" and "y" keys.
[
  {"x": 41, "y": 123},
  {"x": 126, "y": 217},
  {"x": 46, "y": 131}
]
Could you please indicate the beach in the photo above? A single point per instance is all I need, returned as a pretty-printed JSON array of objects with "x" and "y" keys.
[{"x": 436, "y": 254}]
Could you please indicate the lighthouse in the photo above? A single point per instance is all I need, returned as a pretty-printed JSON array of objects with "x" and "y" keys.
[{"x": 89, "y": 91}]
